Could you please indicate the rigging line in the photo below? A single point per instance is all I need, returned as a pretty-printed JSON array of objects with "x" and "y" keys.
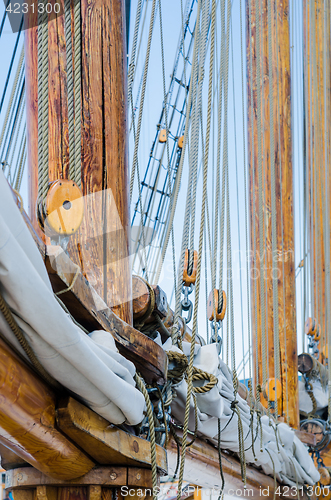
[
  {"x": 12, "y": 113},
  {"x": 273, "y": 210},
  {"x": 142, "y": 99},
  {"x": 180, "y": 167},
  {"x": 70, "y": 86},
  {"x": 265, "y": 151},
  {"x": 20, "y": 149},
  {"x": 261, "y": 214},
  {"x": 317, "y": 256},
  {"x": 141, "y": 227},
  {"x": 11, "y": 65},
  {"x": 167, "y": 144},
  {"x": 326, "y": 166},
  {"x": 282, "y": 229},
  {"x": 325, "y": 200},
  {"x": 21, "y": 166},
  {"x": 238, "y": 208},
  {"x": 131, "y": 71},
  {"x": 254, "y": 292},
  {"x": 4, "y": 17},
  {"x": 136, "y": 65},
  {"x": 307, "y": 159},
  {"x": 194, "y": 150},
  {"x": 16, "y": 128},
  {"x": 42, "y": 105},
  {"x": 16, "y": 119},
  {"x": 224, "y": 62},
  {"x": 12, "y": 94},
  {"x": 202, "y": 224},
  {"x": 77, "y": 89},
  {"x": 317, "y": 239},
  {"x": 311, "y": 197},
  {"x": 184, "y": 244},
  {"x": 245, "y": 191}
]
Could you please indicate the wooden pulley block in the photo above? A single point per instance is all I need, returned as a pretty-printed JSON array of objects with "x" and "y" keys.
[
  {"x": 317, "y": 335},
  {"x": 62, "y": 211},
  {"x": 325, "y": 473},
  {"x": 272, "y": 389},
  {"x": 181, "y": 141},
  {"x": 212, "y": 305},
  {"x": 310, "y": 326},
  {"x": 190, "y": 267},
  {"x": 163, "y": 135}
]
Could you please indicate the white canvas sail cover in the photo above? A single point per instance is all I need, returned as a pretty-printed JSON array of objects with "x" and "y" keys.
[
  {"x": 88, "y": 365},
  {"x": 277, "y": 450}
]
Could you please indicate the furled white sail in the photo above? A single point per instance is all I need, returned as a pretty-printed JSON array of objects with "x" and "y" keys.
[
  {"x": 276, "y": 448},
  {"x": 88, "y": 365}
]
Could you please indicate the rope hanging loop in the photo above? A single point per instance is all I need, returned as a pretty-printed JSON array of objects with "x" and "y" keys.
[
  {"x": 190, "y": 267},
  {"x": 311, "y": 326},
  {"x": 212, "y": 305},
  {"x": 62, "y": 211}
]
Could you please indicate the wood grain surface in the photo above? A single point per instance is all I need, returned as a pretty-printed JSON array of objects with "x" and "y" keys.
[
  {"x": 101, "y": 245},
  {"x": 27, "y": 421},
  {"x": 281, "y": 265}
]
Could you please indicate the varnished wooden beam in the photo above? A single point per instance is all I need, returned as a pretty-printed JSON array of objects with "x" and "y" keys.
[
  {"x": 104, "y": 442},
  {"x": 29, "y": 477},
  {"x": 281, "y": 265},
  {"x": 101, "y": 245},
  {"x": 27, "y": 421}
]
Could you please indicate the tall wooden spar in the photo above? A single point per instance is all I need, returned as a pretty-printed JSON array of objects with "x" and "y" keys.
[
  {"x": 269, "y": 134},
  {"x": 101, "y": 245},
  {"x": 317, "y": 93}
]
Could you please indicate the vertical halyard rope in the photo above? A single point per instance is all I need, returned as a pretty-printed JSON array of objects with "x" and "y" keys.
[
  {"x": 12, "y": 94},
  {"x": 77, "y": 89},
  {"x": 142, "y": 99},
  {"x": 70, "y": 87},
  {"x": 42, "y": 104},
  {"x": 273, "y": 210},
  {"x": 261, "y": 215},
  {"x": 202, "y": 224},
  {"x": 167, "y": 143}
]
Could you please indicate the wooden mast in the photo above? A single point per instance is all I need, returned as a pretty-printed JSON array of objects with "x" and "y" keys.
[
  {"x": 101, "y": 245},
  {"x": 283, "y": 263},
  {"x": 316, "y": 40}
]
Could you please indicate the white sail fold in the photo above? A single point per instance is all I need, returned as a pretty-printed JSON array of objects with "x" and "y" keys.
[
  {"x": 277, "y": 450},
  {"x": 88, "y": 365}
]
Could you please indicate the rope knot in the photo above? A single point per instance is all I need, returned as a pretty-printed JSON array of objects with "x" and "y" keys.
[{"x": 234, "y": 405}]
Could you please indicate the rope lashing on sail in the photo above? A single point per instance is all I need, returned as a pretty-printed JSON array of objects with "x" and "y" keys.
[{"x": 4, "y": 309}]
